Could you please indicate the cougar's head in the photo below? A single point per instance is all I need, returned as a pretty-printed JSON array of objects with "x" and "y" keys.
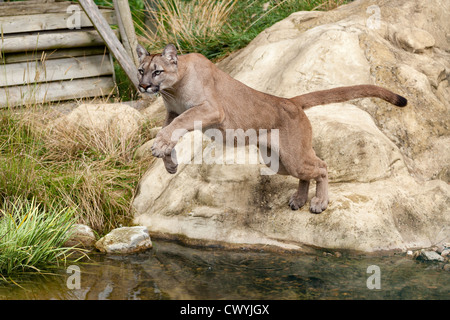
[{"x": 157, "y": 72}]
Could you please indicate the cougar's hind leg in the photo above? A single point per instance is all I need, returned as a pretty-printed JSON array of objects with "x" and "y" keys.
[
  {"x": 300, "y": 160},
  {"x": 307, "y": 166},
  {"x": 320, "y": 202}
]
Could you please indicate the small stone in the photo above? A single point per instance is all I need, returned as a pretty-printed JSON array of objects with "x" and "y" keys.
[
  {"x": 82, "y": 236},
  {"x": 338, "y": 254},
  {"x": 409, "y": 253},
  {"x": 425, "y": 255},
  {"x": 439, "y": 249},
  {"x": 445, "y": 252},
  {"x": 415, "y": 40},
  {"x": 125, "y": 240}
]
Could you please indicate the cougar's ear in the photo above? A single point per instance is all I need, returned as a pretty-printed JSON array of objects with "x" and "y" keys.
[
  {"x": 170, "y": 53},
  {"x": 141, "y": 52}
]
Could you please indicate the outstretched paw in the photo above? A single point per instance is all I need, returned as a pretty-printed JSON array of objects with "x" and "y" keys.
[
  {"x": 162, "y": 147},
  {"x": 171, "y": 166},
  {"x": 318, "y": 205}
]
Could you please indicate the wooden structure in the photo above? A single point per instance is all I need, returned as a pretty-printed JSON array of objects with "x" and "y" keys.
[
  {"x": 127, "y": 30},
  {"x": 50, "y": 51}
]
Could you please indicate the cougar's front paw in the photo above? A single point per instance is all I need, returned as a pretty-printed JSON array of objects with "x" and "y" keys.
[
  {"x": 172, "y": 169},
  {"x": 170, "y": 164},
  {"x": 318, "y": 205},
  {"x": 162, "y": 147}
]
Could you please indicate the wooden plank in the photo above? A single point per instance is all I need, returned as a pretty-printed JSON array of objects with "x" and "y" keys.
[
  {"x": 24, "y": 2},
  {"x": 56, "y": 91},
  {"x": 54, "y": 70},
  {"x": 126, "y": 27},
  {"x": 21, "y": 3},
  {"x": 114, "y": 45},
  {"x": 51, "y": 40},
  {"x": 49, "y": 21},
  {"x": 28, "y": 8},
  {"x": 53, "y": 54}
]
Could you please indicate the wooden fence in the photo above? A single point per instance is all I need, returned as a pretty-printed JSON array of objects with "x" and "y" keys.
[{"x": 49, "y": 51}]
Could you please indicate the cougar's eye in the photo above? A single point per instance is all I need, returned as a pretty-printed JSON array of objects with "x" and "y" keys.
[
  {"x": 141, "y": 71},
  {"x": 157, "y": 72}
]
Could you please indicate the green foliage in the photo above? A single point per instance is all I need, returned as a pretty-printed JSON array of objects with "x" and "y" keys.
[
  {"x": 245, "y": 20},
  {"x": 90, "y": 171},
  {"x": 31, "y": 237}
]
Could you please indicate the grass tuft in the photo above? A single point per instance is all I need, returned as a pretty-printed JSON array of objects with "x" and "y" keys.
[
  {"x": 31, "y": 237},
  {"x": 187, "y": 24}
]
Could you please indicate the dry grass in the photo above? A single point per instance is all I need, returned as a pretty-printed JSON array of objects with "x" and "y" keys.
[
  {"x": 190, "y": 22},
  {"x": 216, "y": 28},
  {"x": 92, "y": 171},
  {"x": 327, "y": 5}
]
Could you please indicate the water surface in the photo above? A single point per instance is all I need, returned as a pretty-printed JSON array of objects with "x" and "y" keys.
[{"x": 173, "y": 271}]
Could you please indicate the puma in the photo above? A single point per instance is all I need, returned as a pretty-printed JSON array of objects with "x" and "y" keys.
[{"x": 194, "y": 89}]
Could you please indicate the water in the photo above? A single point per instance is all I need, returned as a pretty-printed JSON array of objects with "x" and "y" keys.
[{"x": 172, "y": 271}]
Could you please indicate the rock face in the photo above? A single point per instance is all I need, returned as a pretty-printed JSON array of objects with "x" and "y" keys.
[
  {"x": 388, "y": 166},
  {"x": 125, "y": 240}
]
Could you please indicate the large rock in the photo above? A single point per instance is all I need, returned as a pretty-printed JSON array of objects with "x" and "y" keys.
[
  {"x": 319, "y": 50},
  {"x": 110, "y": 118},
  {"x": 388, "y": 166}
]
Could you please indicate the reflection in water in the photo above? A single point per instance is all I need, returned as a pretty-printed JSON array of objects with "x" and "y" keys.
[{"x": 171, "y": 271}]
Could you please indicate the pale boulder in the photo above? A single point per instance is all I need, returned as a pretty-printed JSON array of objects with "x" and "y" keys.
[
  {"x": 316, "y": 51},
  {"x": 352, "y": 145},
  {"x": 235, "y": 205},
  {"x": 81, "y": 235},
  {"x": 107, "y": 118},
  {"x": 125, "y": 240},
  {"x": 388, "y": 166}
]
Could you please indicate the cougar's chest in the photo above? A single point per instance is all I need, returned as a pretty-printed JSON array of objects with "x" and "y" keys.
[
  {"x": 176, "y": 106},
  {"x": 179, "y": 102}
]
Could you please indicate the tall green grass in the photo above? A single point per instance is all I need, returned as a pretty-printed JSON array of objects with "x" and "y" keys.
[{"x": 31, "y": 237}]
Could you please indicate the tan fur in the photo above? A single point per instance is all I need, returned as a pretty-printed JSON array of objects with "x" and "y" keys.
[{"x": 194, "y": 89}]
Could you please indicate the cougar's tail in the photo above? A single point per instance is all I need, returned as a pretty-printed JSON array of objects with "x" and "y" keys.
[{"x": 347, "y": 93}]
